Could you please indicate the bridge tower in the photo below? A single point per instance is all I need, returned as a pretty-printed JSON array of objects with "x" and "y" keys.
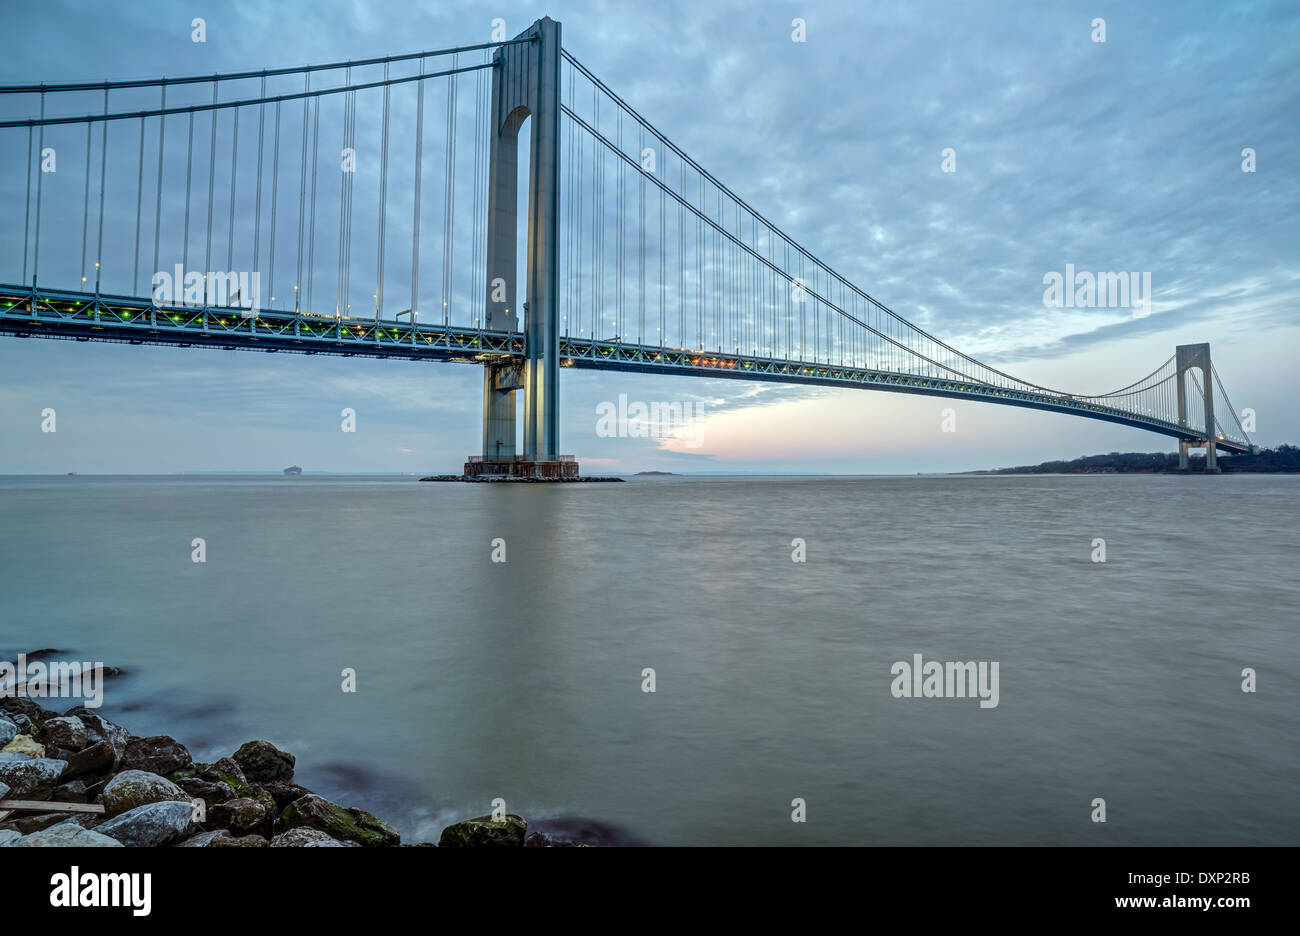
[
  {"x": 1197, "y": 356},
  {"x": 525, "y": 83}
]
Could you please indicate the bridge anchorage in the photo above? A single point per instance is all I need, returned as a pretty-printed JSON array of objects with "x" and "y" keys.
[{"x": 636, "y": 258}]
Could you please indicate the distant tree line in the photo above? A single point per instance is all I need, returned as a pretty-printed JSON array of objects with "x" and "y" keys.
[{"x": 1284, "y": 458}]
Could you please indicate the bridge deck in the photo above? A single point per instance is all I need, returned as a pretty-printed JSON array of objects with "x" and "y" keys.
[{"x": 82, "y": 317}]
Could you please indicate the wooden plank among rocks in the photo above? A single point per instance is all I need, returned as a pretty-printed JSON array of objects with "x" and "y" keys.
[{"x": 12, "y": 805}]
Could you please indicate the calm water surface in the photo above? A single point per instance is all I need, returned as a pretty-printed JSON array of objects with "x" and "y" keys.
[{"x": 523, "y": 680}]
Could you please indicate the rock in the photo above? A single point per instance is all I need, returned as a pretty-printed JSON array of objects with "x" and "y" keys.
[
  {"x": 67, "y": 834},
  {"x": 202, "y": 840},
  {"x": 67, "y": 732},
  {"x": 99, "y": 756},
  {"x": 4, "y": 790},
  {"x": 485, "y": 832},
  {"x": 24, "y": 744},
  {"x": 26, "y": 725},
  {"x": 354, "y": 825},
  {"x": 210, "y": 793},
  {"x": 262, "y": 761},
  {"x": 225, "y": 770},
  {"x": 241, "y": 816},
  {"x": 302, "y": 837},
  {"x": 576, "y": 831},
  {"x": 8, "y": 730},
  {"x": 149, "y": 825},
  {"x": 95, "y": 788},
  {"x": 29, "y": 823},
  {"x": 244, "y": 841},
  {"x": 101, "y": 729},
  {"x": 157, "y": 754},
  {"x": 30, "y": 777},
  {"x": 187, "y": 773},
  {"x": 134, "y": 788},
  {"x": 74, "y": 792},
  {"x": 9, "y": 837},
  {"x": 18, "y": 705},
  {"x": 284, "y": 793}
]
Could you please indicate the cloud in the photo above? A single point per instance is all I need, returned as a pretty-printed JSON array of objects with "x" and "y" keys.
[{"x": 1120, "y": 156}]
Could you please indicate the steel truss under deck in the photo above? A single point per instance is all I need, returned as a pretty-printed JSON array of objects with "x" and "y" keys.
[{"x": 46, "y": 313}]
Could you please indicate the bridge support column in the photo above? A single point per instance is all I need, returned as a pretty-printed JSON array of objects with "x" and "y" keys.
[
  {"x": 1189, "y": 357},
  {"x": 500, "y": 381},
  {"x": 525, "y": 83}
]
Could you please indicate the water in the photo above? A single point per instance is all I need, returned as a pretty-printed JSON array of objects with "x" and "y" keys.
[{"x": 523, "y": 680}]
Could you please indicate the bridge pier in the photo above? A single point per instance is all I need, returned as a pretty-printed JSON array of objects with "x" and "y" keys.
[
  {"x": 525, "y": 83},
  {"x": 500, "y": 381}
]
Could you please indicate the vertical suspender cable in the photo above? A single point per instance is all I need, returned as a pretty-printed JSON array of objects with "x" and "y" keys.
[
  {"x": 568, "y": 204},
  {"x": 699, "y": 268},
  {"x": 478, "y": 158},
  {"x": 27, "y": 204},
  {"x": 212, "y": 182},
  {"x": 103, "y": 170},
  {"x": 189, "y": 168},
  {"x": 622, "y": 228},
  {"x": 343, "y": 188},
  {"x": 302, "y": 196},
  {"x": 351, "y": 176},
  {"x": 139, "y": 194},
  {"x": 415, "y": 212},
  {"x": 580, "y": 145},
  {"x": 449, "y": 202},
  {"x": 640, "y": 258},
  {"x": 663, "y": 258},
  {"x": 234, "y": 174},
  {"x": 383, "y": 202},
  {"x": 85, "y": 217},
  {"x": 682, "y": 259},
  {"x": 257, "y": 210},
  {"x": 40, "y": 181},
  {"x": 275, "y": 194},
  {"x": 597, "y": 227},
  {"x": 311, "y": 224}
]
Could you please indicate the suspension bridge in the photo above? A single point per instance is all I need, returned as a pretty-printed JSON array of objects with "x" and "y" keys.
[{"x": 635, "y": 258}]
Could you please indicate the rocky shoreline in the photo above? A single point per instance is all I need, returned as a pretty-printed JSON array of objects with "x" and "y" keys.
[{"x": 153, "y": 794}]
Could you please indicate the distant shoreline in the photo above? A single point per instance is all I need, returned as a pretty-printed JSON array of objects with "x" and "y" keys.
[{"x": 1285, "y": 459}]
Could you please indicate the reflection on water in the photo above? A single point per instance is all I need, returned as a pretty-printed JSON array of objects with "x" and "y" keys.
[{"x": 522, "y": 680}]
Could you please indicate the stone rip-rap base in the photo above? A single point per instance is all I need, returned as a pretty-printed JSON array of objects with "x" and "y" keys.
[{"x": 154, "y": 794}]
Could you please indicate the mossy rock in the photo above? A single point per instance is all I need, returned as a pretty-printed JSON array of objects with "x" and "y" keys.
[
  {"x": 133, "y": 788},
  {"x": 262, "y": 761},
  {"x": 485, "y": 832},
  {"x": 341, "y": 822}
]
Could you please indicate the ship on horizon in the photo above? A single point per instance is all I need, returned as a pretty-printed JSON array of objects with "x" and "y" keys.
[{"x": 293, "y": 470}]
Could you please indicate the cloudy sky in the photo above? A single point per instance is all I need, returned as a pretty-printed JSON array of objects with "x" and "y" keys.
[{"x": 1123, "y": 155}]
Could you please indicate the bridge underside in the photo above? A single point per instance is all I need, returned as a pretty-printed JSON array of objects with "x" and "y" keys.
[{"x": 82, "y": 317}]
